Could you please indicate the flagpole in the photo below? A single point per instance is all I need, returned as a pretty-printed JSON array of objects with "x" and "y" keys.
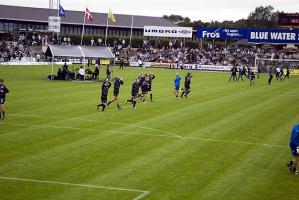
[
  {"x": 106, "y": 35},
  {"x": 132, "y": 22},
  {"x": 83, "y": 28},
  {"x": 58, "y": 7}
]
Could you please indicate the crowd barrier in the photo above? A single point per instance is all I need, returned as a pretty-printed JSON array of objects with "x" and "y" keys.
[{"x": 184, "y": 66}]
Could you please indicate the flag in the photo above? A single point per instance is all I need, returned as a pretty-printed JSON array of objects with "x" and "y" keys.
[
  {"x": 61, "y": 11},
  {"x": 88, "y": 14},
  {"x": 111, "y": 16}
]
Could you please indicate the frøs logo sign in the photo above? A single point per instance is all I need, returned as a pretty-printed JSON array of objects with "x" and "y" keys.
[{"x": 207, "y": 34}]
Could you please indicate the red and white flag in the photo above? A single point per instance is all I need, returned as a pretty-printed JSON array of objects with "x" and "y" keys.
[{"x": 88, "y": 14}]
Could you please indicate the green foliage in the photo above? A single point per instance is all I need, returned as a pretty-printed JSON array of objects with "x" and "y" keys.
[{"x": 261, "y": 17}]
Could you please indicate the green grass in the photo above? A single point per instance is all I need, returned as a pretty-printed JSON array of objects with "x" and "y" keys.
[{"x": 226, "y": 141}]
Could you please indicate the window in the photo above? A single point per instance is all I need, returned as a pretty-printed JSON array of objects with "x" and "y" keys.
[
  {"x": 2, "y": 26},
  {"x": 11, "y": 27}
]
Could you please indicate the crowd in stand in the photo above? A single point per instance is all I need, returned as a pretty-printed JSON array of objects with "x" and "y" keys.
[
  {"x": 206, "y": 56},
  {"x": 13, "y": 51},
  {"x": 175, "y": 52}
]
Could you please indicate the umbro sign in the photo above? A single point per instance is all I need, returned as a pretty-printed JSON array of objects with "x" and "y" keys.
[{"x": 164, "y": 31}]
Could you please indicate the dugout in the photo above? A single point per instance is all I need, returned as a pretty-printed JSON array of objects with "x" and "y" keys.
[{"x": 81, "y": 52}]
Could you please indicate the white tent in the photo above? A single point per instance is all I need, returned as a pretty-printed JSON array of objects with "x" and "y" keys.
[{"x": 78, "y": 52}]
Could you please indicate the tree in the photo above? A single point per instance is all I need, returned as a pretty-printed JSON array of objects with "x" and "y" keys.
[
  {"x": 179, "y": 20},
  {"x": 262, "y": 17}
]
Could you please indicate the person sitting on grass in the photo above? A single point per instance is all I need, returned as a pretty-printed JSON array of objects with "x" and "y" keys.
[{"x": 81, "y": 73}]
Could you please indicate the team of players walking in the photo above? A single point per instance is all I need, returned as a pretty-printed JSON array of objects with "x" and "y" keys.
[
  {"x": 250, "y": 74},
  {"x": 141, "y": 87},
  {"x": 142, "y": 81}
]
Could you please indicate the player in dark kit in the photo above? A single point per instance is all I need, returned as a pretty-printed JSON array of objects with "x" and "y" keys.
[
  {"x": 270, "y": 75},
  {"x": 105, "y": 87},
  {"x": 121, "y": 64},
  {"x": 117, "y": 83},
  {"x": 187, "y": 88},
  {"x": 3, "y": 91},
  {"x": 251, "y": 77},
  {"x": 234, "y": 73},
  {"x": 144, "y": 88},
  {"x": 287, "y": 73},
  {"x": 149, "y": 89},
  {"x": 294, "y": 145},
  {"x": 134, "y": 92}
]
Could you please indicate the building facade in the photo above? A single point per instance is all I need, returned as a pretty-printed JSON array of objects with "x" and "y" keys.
[{"x": 16, "y": 18}]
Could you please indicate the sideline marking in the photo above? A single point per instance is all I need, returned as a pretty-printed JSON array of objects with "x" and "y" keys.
[
  {"x": 149, "y": 134},
  {"x": 90, "y": 120},
  {"x": 143, "y": 192}
]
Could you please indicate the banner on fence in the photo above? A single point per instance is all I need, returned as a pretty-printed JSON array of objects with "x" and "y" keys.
[
  {"x": 164, "y": 31},
  {"x": 221, "y": 33},
  {"x": 272, "y": 36}
]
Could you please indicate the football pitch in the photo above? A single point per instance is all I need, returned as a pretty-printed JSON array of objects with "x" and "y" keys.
[{"x": 226, "y": 141}]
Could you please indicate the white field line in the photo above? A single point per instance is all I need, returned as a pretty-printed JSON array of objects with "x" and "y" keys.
[
  {"x": 143, "y": 193},
  {"x": 169, "y": 136},
  {"x": 90, "y": 120}
]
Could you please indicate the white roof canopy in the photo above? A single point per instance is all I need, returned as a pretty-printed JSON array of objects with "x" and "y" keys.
[{"x": 79, "y": 51}]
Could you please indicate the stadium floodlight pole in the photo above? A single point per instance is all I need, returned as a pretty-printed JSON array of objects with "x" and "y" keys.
[
  {"x": 132, "y": 23},
  {"x": 83, "y": 26},
  {"x": 106, "y": 35}
]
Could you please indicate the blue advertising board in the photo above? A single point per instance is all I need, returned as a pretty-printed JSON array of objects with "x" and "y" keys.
[
  {"x": 222, "y": 33},
  {"x": 273, "y": 36},
  {"x": 252, "y": 35}
]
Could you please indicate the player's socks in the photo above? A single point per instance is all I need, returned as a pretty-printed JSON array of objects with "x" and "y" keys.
[
  {"x": 151, "y": 96},
  {"x": 104, "y": 106},
  {"x": 295, "y": 171},
  {"x": 134, "y": 104},
  {"x": 0, "y": 115},
  {"x": 3, "y": 115},
  {"x": 182, "y": 94},
  {"x": 98, "y": 106},
  {"x": 118, "y": 107},
  {"x": 290, "y": 166}
]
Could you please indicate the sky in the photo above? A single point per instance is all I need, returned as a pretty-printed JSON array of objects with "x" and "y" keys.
[{"x": 205, "y": 10}]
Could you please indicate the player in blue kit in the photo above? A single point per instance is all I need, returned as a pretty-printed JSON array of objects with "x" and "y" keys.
[
  {"x": 177, "y": 83},
  {"x": 3, "y": 91},
  {"x": 294, "y": 145}
]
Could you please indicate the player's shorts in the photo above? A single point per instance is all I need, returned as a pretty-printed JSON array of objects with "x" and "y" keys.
[
  {"x": 177, "y": 87},
  {"x": 149, "y": 89},
  {"x": 2, "y": 100},
  {"x": 144, "y": 90},
  {"x": 252, "y": 78},
  {"x": 294, "y": 150},
  {"x": 115, "y": 93},
  {"x": 187, "y": 86},
  {"x": 134, "y": 94},
  {"x": 104, "y": 99}
]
